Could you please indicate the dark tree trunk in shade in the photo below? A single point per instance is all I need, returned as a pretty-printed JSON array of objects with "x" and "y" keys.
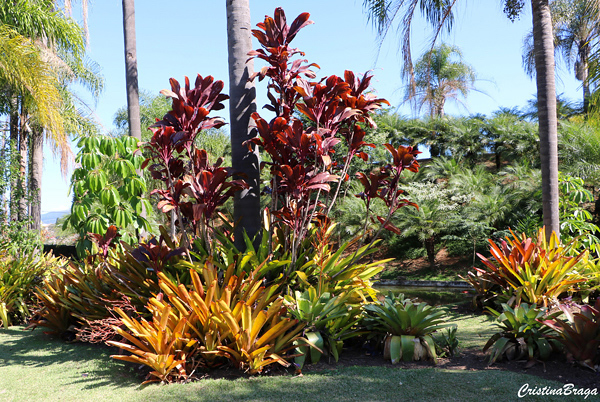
[
  {"x": 241, "y": 105},
  {"x": 546, "y": 96},
  {"x": 430, "y": 248}
]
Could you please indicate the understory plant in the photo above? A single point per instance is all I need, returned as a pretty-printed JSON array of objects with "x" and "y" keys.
[
  {"x": 19, "y": 275},
  {"x": 329, "y": 320},
  {"x": 522, "y": 334},
  {"x": 576, "y": 221},
  {"x": 77, "y": 299},
  {"x": 579, "y": 334},
  {"x": 235, "y": 319},
  {"x": 525, "y": 270},
  {"x": 407, "y": 326}
]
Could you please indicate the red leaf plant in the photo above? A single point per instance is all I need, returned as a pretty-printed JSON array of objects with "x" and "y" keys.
[
  {"x": 384, "y": 184},
  {"x": 302, "y": 165},
  {"x": 194, "y": 188}
]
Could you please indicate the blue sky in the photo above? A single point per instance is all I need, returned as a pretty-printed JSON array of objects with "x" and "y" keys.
[{"x": 188, "y": 37}]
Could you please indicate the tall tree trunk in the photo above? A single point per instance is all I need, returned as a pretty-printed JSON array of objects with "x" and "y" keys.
[
  {"x": 241, "y": 105},
  {"x": 543, "y": 46},
  {"x": 14, "y": 158},
  {"x": 35, "y": 181},
  {"x": 23, "y": 154},
  {"x": 585, "y": 70},
  {"x": 131, "y": 72}
]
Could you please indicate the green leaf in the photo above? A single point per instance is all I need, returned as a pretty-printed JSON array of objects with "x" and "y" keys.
[
  {"x": 408, "y": 347},
  {"x": 109, "y": 196},
  {"x": 395, "y": 349},
  {"x": 90, "y": 161},
  {"x": 316, "y": 339},
  {"x": 107, "y": 146},
  {"x": 96, "y": 180}
]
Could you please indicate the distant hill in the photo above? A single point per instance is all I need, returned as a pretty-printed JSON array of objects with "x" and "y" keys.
[{"x": 51, "y": 217}]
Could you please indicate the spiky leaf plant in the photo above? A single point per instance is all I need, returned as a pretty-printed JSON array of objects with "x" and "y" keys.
[
  {"x": 521, "y": 334},
  {"x": 580, "y": 334},
  {"x": 329, "y": 319},
  {"x": 408, "y": 327},
  {"x": 532, "y": 271}
]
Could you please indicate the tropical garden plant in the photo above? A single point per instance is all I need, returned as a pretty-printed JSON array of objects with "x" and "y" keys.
[
  {"x": 107, "y": 190},
  {"x": 19, "y": 275},
  {"x": 329, "y": 321},
  {"x": 535, "y": 271},
  {"x": 407, "y": 326},
  {"x": 522, "y": 334},
  {"x": 579, "y": 334},
  {"x": 152, "y": 294}
]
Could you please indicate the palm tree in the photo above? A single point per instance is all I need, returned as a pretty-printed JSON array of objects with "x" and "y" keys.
[
  {"x": 580, "y": 151},
  {"x": 511, "y": 137},
  {"x": 30, "y": 85},
  {"x": 131, "y": 72},
  {"x": 440, "y": 74},
  {"x": 57, "y": 46},
  {"x": 439, "y": 15},
  {"x": 576, "y": 27},
  {"x": 241, "y": 106}
]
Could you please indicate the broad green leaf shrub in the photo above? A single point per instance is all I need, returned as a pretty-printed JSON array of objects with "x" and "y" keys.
[
  {"x": 107, "y": 190},
  {"x": 575, "y": 221}
]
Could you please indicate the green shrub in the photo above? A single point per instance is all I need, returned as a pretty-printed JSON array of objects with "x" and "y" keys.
[
  {"x": 329, "y": 320},
  {"x": 18, "y": 278},
  {"x": 407, "y": 327},
  {"x": 522, "y": 334}
]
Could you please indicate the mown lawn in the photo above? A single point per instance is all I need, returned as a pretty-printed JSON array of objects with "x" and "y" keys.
[{"x": 35, "y": 367}]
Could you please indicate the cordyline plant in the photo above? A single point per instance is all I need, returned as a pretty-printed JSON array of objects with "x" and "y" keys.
[
  {"x": 302, "y": 167},
  {"x": 194, "y": 188}
]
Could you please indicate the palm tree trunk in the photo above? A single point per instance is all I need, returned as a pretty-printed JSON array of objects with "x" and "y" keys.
[
  {"x": 14, "y": 160},
  {"x": 241, "y": 106},
  {"x": 23, "y": 154},
  {"x": 131, "y": 72},
  {"x": 430, "y": 248},
  {"x": 585, "y": 70},
  {"x": 543, "y": 44},
  {"x": 35, "y": 182}
]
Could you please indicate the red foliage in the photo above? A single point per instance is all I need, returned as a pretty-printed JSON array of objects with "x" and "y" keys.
[{"x": 194, "y": 188}]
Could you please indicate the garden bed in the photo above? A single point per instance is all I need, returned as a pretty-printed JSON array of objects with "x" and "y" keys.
[{"x": 34, "y": 366}]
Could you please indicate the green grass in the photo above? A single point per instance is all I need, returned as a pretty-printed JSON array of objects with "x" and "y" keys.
[
  {"x": 442, "y": 273},
  {"x": 473, "y": 330},
  {"x": 34, "y": 367}
]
